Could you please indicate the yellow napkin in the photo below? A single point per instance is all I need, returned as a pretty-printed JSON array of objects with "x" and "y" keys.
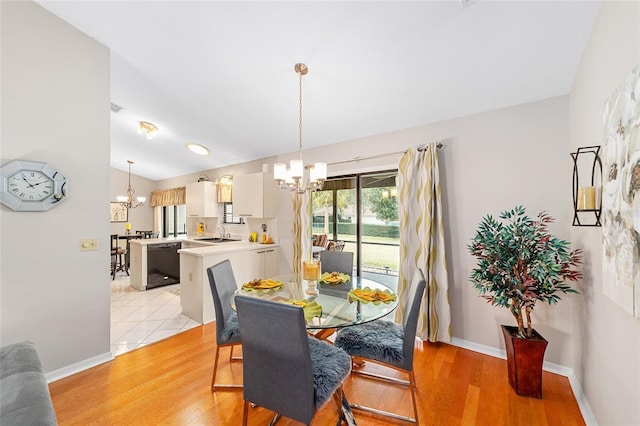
[
  {"x": 334, "y": 278},
  {"x": 259, "y": 284},
  {"x": 372, "y": 295}
]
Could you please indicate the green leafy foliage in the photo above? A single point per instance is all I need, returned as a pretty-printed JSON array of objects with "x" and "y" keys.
[
  {"x": 520, "y": 263},
  {"x": 384, "y": 206}
]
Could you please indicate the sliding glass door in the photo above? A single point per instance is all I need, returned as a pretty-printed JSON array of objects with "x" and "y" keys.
[{"x": 362, "y": 211}]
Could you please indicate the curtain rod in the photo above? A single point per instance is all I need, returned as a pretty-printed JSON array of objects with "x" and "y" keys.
[{"x": 390, "y": 154}]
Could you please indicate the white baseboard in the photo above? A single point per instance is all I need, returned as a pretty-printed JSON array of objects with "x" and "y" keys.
[
  {"x": 583, "y": 404},
  {"x": 78, "y": 367}
]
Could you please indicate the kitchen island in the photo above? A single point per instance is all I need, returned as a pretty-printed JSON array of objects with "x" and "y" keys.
[{"x": 248, "y": 260}]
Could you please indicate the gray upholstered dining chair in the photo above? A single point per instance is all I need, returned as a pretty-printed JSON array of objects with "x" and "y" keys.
[
  {"x": 388, "y": 344},
  {"x": 336, "y": 261},
  {"x": 284, "y": 369},
  {"x": 223, "y": 285}
]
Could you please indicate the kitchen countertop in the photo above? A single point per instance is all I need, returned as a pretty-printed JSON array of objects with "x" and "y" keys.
[{"x": 208, "y": 248}]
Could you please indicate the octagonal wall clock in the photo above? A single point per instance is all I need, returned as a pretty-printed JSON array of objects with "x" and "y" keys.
[{"x": 31, "y": 186}]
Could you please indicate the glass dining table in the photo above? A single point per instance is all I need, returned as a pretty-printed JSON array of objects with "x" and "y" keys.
[
  {"x": 328, "y": 306},
  {"x": 336, "y": 305}
]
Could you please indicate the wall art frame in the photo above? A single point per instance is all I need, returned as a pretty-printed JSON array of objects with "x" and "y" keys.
[{"x": 118, "y": 212}]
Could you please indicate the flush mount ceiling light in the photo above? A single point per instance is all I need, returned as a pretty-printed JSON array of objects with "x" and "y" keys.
[
  {"x": 198, "y": 149},
  {"x": 293, "y": 177},
  {"x": 128, "y": 201},
  {"x": 147, "y": 128}
]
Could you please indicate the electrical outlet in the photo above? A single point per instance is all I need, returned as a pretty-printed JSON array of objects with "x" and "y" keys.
[{"x": 89, "y": 244}]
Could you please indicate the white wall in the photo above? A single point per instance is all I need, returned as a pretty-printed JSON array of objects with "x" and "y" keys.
[
  {"x": 55, "y": 108},
  {"x": 607, "y": 340}
]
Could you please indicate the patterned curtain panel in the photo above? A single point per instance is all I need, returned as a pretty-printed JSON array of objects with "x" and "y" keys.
[
  {"x": 296, "y": 234},
  {"x": 422, "y": 241},
  {"x": 169, "y": 197}
]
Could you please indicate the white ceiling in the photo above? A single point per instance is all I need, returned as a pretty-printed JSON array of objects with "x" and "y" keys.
[{"x": 221, "y": 73}]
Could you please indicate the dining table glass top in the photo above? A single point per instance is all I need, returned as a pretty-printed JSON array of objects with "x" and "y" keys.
[{"x": 335, "y": 305}]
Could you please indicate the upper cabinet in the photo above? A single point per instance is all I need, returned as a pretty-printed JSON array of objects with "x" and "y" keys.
[
  {"x": 201, "y": 199},
  {"x": 254, "y": 195}
]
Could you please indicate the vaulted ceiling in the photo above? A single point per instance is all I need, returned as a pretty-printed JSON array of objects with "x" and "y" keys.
[{"x": 220, "y": 73}]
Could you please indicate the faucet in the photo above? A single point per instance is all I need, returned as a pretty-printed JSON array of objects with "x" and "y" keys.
[{"x": 222, "y": 235}]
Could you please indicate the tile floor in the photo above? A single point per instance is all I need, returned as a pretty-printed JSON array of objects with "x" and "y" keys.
[{"x": 142, "y": 317}]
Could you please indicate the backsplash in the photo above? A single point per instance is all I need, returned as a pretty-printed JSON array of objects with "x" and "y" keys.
[{"x": 213, "y": 227}]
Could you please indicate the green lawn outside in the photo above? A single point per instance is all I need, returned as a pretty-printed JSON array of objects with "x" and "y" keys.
[{"x": 374, "y": 255}]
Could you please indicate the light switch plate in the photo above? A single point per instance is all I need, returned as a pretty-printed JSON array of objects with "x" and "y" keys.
[{"x": 89, "y": 244}]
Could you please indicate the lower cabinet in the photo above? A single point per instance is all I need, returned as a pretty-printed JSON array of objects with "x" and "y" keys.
[
  {"x": 263, "y": 263},
  {"x": 195, "y": 291}
]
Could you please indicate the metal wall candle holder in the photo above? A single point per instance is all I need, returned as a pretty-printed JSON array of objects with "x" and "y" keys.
[{"x": 587, "y": 199}]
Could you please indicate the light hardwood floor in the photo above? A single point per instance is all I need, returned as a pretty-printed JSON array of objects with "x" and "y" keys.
[{"x": 167, "y": 383}]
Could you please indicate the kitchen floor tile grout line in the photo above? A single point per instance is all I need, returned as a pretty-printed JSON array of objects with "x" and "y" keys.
[{"x": 139, "y": 318}]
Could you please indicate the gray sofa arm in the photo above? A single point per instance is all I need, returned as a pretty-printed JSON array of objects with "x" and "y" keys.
[{"x": 24, "y": 392}]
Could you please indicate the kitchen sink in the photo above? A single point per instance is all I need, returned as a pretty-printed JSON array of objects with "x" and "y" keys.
[{"x": 216, "y": 240}]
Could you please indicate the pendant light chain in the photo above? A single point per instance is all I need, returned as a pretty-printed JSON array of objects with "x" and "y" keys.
[
  {"x": 293, "y": 178},
  {"x": 300, "y": 115}
]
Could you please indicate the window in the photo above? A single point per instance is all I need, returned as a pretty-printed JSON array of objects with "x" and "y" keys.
[
  {"x": 174, "y": 220},
  {"x": 362, "y": 211},
  {"x": 228, "y": 216}
]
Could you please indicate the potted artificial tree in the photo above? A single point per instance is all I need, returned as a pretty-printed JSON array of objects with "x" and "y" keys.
[{"x": 520, "y": 263}]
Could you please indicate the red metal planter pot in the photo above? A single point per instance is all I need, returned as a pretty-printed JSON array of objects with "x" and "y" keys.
[{"x": 524, "y": 361}]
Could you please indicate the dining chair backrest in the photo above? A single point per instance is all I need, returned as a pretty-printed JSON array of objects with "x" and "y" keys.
[
  {"x": 277, "y": 368},
  {"x": 339, "y": 246},
  {"x": 223, "y": 285},
  {"x": 145, "y": 234},
  {"x": 410, "y": 320},
  {"x": 336, "y": 261},
  {"x": 114, "y": 243}
]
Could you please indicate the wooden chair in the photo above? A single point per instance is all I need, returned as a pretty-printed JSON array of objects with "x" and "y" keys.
[
  {"x": 388, "y": 344},
  {"x": 117, "y": 263},
  {"x": 145, "y": 234}
]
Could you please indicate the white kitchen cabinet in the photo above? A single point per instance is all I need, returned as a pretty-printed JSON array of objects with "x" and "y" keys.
[
  {"x": 201, "y": 199},
  {"x": 254, "y": 195},
  {"x": 263, "y": 262}
]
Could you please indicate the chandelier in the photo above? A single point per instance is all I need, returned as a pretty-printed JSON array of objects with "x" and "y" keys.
[
  {"x": 147, "y": 128},
  {"x": 293, "y": 178},
  {"x": 129, "y": 202}
]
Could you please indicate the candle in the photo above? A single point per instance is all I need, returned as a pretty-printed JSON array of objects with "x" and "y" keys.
[
  {"x": 580, "y": 205},
  {"x": 586, "y": 198},
  {"x": 127, "y": 226},
  {"x": 311, "y": 270},
  {"x": 590, "y": 201}
]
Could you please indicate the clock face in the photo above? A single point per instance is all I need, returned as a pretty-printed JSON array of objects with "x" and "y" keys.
[{"x": 31, "y": 185}]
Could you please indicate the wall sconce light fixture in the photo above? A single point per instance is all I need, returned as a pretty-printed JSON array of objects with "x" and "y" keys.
[{"x": 587, "y": 186}]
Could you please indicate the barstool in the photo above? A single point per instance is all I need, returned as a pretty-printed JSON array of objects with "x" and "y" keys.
[{"x": 116, "y": 257}]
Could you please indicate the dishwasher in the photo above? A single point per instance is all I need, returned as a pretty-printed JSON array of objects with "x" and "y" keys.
[{"x": 163, "y": 264}]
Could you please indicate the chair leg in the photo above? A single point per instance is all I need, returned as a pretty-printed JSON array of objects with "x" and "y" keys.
[
  {"x": 215, "y": 368},
  {"x": 411, "y": 383},
  {"x": 215, "y": 386},
  {"x": 234, "y": 358},
  {"x": 412, "y": 380},
  {"x": 245, "y": 413}
]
